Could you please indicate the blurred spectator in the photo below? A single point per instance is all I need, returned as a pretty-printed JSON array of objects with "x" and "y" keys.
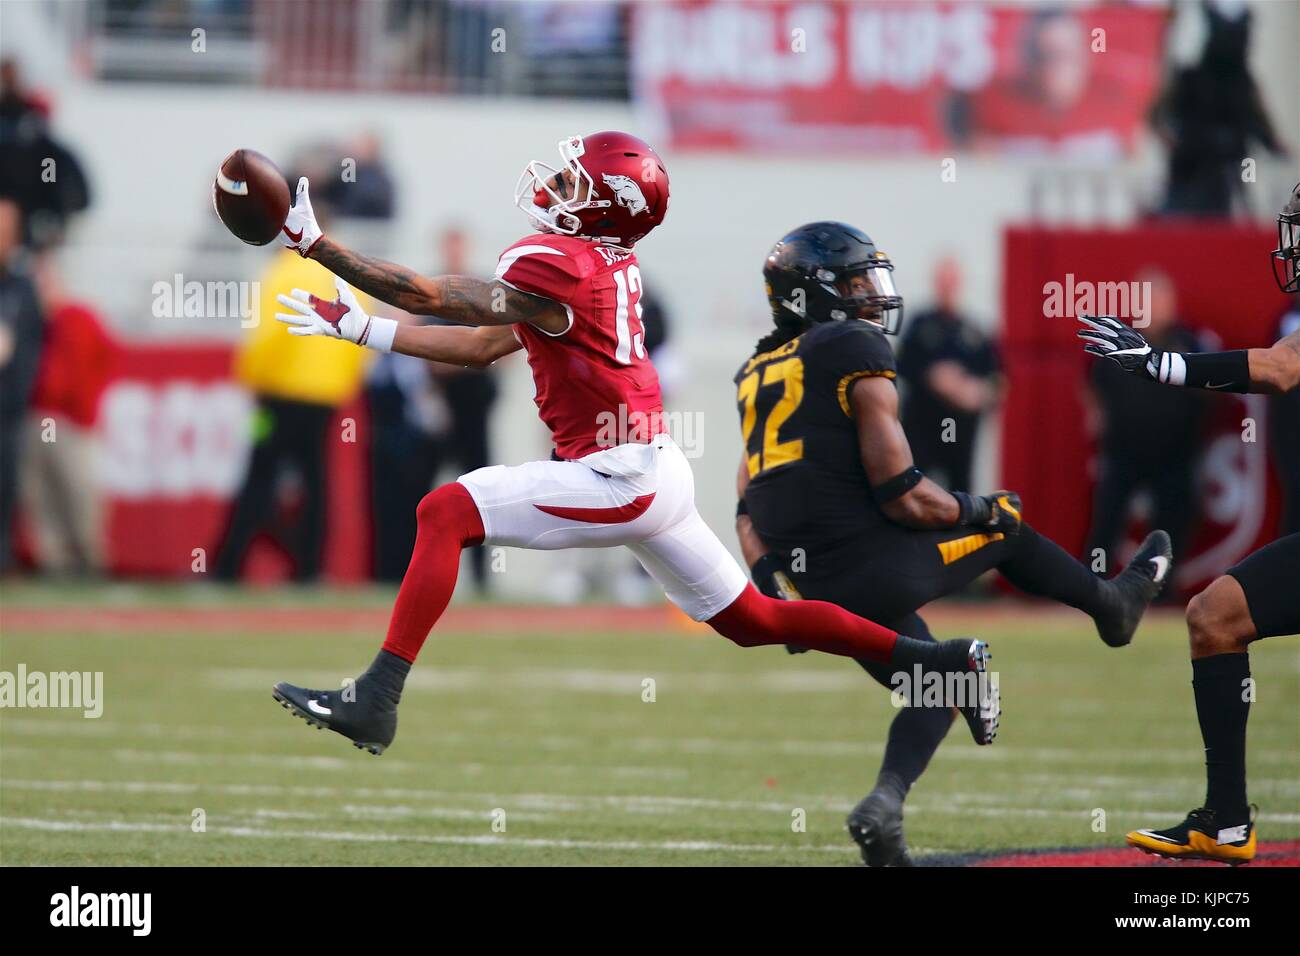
[
  {"x": 1150, "y": 435},
  {"x": 298, "y": 385},
  {"x": 361, "y": 188},
  {"x": 470, "y": 394},
  {"x": 953, "y": 377},
  {"x": 407, "y": 415},
  {"x": 59, "y": 482},
  {"x": 1211, "y": 117},
  {"x": 21, "y": 335},
  {"x": 1055, "y": 99},
  {"x": 36, "y": 171},
  {"x": 1286, "y": 433},
  {"x": 575, "y": 46}
]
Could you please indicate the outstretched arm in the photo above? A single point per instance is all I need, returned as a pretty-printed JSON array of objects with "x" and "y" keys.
[
  {"x": 343, "y": 318},
  {"x": 456, "y": 344},
  {"x": 458, "y": 298},
  {"x": 1276, "y": 369},
  {"x": 1272, "y": 370}
]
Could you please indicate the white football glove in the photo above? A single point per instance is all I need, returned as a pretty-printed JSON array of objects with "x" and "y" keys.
[
  {"x": 300, "y": 230},
  {"x": 341, "y": 319}
]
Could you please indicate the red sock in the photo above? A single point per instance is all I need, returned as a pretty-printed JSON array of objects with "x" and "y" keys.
[
  {"x": 448, "y": 521},
  {"x": 753, "y": 620}
]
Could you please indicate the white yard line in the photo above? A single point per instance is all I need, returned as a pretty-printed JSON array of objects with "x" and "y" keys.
[
  {"x": 188, "y": 758},
  {"x": 508, "y": 842},
  {"x": 869, "y": 747},
  {"x": 575, "y": 803},
  {"x": 578, "y": 680}
]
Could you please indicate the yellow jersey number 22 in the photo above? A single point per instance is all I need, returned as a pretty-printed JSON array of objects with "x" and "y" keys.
[{"x": 772, "y": 453}]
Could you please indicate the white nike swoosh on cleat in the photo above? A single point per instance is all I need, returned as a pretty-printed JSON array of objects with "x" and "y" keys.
[
  {"x": 317, "y": 708},
  {"x": 1231, "y": 835},
  {"x": 1162, "y": 567}
]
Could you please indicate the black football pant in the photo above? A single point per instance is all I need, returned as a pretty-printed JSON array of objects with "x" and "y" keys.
[
  {"x": 470, "y": 396},
  {"x": 887, "y": 577},
  {"x": 293, "y": 437},
  {"x": 1171, "y": 485},
  {"x": 1268, "y": 577},
  {"x": 10, "y": 448},
  {"x": 895, "y": 571}
]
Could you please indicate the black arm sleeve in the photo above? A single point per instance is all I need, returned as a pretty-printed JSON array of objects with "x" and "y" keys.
[{"x": 1216, "y": 371}]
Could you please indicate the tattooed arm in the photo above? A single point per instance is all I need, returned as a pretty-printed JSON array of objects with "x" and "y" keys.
[
  {"x": 458, "y": 298},
  {"x": 1276, "y": 369},
  {"x": 455, "y": 344}
]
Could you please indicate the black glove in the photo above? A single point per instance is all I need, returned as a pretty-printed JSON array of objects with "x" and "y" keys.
[
  {"x": 1109, "y": 338},
  {"x": 999, "y": 511}
]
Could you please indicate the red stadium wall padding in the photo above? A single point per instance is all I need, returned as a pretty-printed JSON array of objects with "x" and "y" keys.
[
  {"x": 174, "y": 430},
  {"x": 1224, "y": 286}
]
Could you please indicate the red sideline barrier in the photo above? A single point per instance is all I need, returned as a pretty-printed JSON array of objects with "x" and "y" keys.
[
  {"x": 1224, "y": 285},
  {"x": 175, "y": 431}
]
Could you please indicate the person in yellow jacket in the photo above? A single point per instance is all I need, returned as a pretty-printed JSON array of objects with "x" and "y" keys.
[{"x": 297, "y": 387}]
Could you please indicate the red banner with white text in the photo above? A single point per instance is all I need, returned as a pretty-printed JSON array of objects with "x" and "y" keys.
[
  {"x": 175, "y": 431},
  {"x": 1070, "y": 80}
]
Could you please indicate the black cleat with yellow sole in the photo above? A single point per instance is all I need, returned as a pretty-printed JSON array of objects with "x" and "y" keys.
[{"x": 1204, "y": 835}]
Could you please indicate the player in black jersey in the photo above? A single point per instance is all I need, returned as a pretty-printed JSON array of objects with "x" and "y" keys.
[
  {"x": 832, "y": 506},
  {"x": 1256, "y": 598}
]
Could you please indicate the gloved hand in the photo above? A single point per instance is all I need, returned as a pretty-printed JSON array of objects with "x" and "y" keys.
[
  {"x": 342, "y": 318},
  {"x": 300, "y": 230},
  {"x": 1107, "y": 337}
]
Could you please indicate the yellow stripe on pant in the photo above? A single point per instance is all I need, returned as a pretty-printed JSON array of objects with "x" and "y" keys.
[{"x": 958, "y": 548}]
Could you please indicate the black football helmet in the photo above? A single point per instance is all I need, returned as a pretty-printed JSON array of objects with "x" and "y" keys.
[
  {"x": 829, "y": 272},
  {"x": 1286, "y": 257}
]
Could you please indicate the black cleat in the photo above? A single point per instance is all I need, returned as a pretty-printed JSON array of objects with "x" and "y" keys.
[
  {"x": 365, "y": 712},
  {"x": 1135, "y": 588},
  {"x": 978, "y": 697},
  {"x": 985, "y": 716},
  {"x": 876, "y": 825}
]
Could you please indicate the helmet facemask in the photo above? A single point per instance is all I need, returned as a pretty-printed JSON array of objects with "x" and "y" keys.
[
  {"x": 867, "y": 293},
  {"x": 560, "y": 216}
]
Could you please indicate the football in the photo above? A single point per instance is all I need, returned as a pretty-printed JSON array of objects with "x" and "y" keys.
[{"x": 251, "y": 196}]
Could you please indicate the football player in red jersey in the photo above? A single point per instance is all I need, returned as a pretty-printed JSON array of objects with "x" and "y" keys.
[
  {"x": 1254, "y": 599},
  {"x": 569, "y": 295}
]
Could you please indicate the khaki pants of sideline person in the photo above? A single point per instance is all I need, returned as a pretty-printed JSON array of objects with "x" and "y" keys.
[{"x": 60, "y": 496}]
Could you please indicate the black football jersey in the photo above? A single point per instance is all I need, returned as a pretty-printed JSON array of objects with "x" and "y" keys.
[{"x": 807, "y": 486}]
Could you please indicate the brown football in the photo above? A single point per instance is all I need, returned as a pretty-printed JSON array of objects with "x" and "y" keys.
[{"x": 251, "y": 196}]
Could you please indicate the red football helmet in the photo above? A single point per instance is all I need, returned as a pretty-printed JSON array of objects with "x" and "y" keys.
[{"x": 619, "y": 189}]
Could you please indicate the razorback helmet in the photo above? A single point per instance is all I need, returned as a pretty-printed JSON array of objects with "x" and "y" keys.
[
  {"x": 1286, "y": 257},
  {"x": 620, "y": 189},
  {"x": 810, "y": 275}
]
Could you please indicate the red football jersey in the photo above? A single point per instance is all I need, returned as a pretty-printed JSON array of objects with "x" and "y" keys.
[{"x": 595, "y": 385}]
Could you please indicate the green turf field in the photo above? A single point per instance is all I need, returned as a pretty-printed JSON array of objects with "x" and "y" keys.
[{"x": 551, "y": 729}]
